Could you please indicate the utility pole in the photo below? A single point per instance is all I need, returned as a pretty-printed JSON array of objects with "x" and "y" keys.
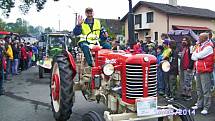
[
  {"x": 59, "y": 24},
  {"x": 76, "y": 15},
  {"x": 131, "y": 39}
]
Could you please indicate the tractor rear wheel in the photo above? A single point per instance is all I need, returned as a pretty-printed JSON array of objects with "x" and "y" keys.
[
  {"x": 41, "y": 72},
  {"x": 61, "y": 86},
  {"x": 92, "y": 116}
]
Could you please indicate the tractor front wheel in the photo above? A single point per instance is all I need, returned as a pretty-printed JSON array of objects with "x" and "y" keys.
[
  {"x": 61, "y": 86},
  {"x": 41, "y": 72},
  {"x": 92, "y": 116}
]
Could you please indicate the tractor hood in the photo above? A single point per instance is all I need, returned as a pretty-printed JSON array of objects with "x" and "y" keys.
[
  {"x": 122, "y": 57},
  {"x": 45, "y": 63}
]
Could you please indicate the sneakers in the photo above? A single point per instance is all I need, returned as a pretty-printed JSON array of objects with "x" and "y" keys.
[
  {"x": 195, "y": 107},
  {"x": 204, "y": 112}
]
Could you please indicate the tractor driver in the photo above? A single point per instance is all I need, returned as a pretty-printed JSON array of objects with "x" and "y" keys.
[{"x": 86, "y": 26}]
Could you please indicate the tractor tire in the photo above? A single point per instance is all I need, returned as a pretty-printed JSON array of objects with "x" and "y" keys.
[
  {"x": 65, "y": 100},
  {"x": 92, "y": 116},
  {"x": 41, "y": 72}
]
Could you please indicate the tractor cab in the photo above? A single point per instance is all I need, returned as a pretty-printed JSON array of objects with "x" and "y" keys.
[{"x": 52, "y": 44}]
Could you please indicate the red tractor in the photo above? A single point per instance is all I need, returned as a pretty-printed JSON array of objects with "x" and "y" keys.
[{"x": 123, "y": 81}]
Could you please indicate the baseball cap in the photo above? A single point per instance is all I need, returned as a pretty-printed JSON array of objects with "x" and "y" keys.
[
  {"x": 166, "y": 42},
  {"x": 89, "y": 9}
]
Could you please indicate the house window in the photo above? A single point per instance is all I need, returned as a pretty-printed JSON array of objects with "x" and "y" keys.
[
  {"x": 138, "y": 19},
  {"x": 136, "y": 36},
  {"x": 150, "y": 17},
  {"x": 156, "y": 35}
]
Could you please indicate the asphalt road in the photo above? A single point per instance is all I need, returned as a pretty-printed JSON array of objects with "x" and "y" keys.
[{"x": 27, "y": 99}]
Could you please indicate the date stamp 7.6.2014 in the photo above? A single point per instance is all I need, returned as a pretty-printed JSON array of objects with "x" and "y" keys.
[{"x": 176, "y": 112}]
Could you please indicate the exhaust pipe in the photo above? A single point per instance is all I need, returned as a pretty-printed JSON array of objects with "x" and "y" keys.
[{"x": 131, "y": 39}]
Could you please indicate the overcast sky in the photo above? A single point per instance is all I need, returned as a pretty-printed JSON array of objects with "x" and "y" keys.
[{"x": 64, "y": 10}]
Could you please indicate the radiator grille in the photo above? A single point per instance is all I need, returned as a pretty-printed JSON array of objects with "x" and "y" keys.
[
  {"x": 152, "y": 80},
  {"x": 134, "y": 81}
]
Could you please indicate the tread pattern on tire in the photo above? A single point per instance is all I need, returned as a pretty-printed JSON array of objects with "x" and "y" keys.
[
  {"x": 92, "y": 116},
  {"x": 66, "y": 88},
  {"x": 41, "y": 72}
]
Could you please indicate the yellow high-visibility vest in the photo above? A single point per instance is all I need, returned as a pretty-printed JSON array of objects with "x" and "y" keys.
[{"x": 86, "y": 30}]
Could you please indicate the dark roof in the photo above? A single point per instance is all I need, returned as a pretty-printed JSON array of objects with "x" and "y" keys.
[
  {"x": 114, "y": 25},
  {"x": 176, "y": 10},
  {"x": 25, "y": 35}
]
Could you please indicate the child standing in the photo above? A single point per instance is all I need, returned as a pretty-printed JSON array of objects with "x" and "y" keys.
[{"x": 161, "y": 84}]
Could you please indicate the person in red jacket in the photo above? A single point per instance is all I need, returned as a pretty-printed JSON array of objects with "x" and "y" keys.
[
  {"x": 137, "y": 47},
  {"x": 24, "y": 57},
  {"x": 203, "y": 62}
]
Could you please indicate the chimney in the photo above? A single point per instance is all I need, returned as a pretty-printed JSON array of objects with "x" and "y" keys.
[{"x": 173, "y": 2}]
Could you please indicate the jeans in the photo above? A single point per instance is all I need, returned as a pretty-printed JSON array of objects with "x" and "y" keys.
[
  {"x": 170, "y": 84},
  {"x": 187, "y": 82},
  {"x": 29, "y": 62},
  {"x": 15, "y": 66},
  {"x": 85, "y": 48},
  {"x": 1, "y": 79},
  {"x": 161, "y": 84},
  {"x": 23, "y": 64},
  {"x": 8, "y": 68}
]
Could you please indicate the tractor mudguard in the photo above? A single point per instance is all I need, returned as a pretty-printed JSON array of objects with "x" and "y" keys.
[{"x": 72, "y": 62}]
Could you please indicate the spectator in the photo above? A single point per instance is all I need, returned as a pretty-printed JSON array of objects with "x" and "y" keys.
[
  {"x": 23, "y": 59},
  {"x": 30, "y": 55},
  {"x": 35, "y": 54},
  {"x": 187, "y": 68},
  {"x": 9, "y": 58},
  {"x": 171, "y": 76},
  {"x": 161, "y": 84},
  {"x": 167, "y": 51},
  {"x": 151, "y": 49},
  {"x": 116, "y": 45},
  {"x": 148, "y": 44},
  {"x": 164, "y": 36},
  {"x": 204, "y": 60},
  {"x": 1, "y": 69},
  {"x": 137, "y": 47},
  {"x": 16, "y": 59}
]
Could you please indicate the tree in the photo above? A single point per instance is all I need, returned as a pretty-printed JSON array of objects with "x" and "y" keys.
[
  {"x": 22, "y": 27},
  {"x": 7, "y": 5},
  {"x": 2, "y": 24},
  {"x": 48, "y": 29}
]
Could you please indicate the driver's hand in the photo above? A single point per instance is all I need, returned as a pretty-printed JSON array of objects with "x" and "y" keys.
[{"x": 80, "y": 20}]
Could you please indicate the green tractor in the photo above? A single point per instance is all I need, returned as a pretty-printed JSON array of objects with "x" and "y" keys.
[{"x": 53, "y": 44}]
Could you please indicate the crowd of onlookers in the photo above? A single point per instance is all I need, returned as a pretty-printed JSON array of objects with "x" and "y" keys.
[
  {"x": 15, "y": 57},
  {"x": 191, "y": 62}
]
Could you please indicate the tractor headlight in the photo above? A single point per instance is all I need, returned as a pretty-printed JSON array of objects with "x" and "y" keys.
[
  {"x": 108, "y": 69},
  {"x": 146, "y": 59}
]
